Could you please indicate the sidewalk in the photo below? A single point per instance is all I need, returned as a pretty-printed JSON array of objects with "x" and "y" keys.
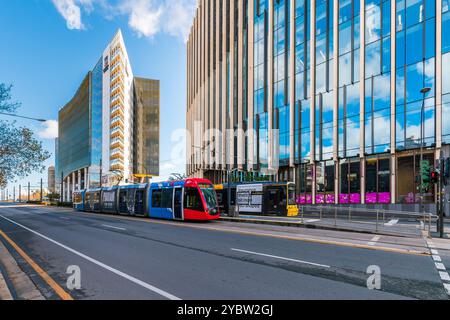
[
  {"x": 21, "y": 287},
  {"x": 5, "y": 294}
]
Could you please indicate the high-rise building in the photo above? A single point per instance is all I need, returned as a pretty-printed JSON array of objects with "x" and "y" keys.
[
  {"x": 346, "y": 98},
  {"x": 109, "y": 131},
  {"x": 51, "y": 179}
]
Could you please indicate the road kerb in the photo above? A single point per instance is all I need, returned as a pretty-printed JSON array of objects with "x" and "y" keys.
[
  {"x": 58, "y": 290},
  {"x": 5, "y": 293}
]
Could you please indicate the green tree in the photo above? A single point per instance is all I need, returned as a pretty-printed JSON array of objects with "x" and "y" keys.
[{"x": 20, "y": 152}]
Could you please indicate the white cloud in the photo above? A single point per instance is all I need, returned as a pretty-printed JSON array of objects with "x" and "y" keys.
[
  {"x": 71, "y": 11},
  {"x": 146, "y": 17},
  {"x": 50, "y": 130}
]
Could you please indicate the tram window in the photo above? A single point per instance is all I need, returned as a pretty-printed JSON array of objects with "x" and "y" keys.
[
  {"x": 167, "y": 196},
  {"x": 156, "y": 198},
  {"x": 291, "y": 198},
  {"x": 77, "y": 198},
  {"x": 192, "y": 200}
]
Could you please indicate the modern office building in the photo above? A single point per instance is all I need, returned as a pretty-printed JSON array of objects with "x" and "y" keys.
[
  {"x": 51, "y": 179},
  {"x": 109, "y": 131},
  {"x": 343, "y": 97}
]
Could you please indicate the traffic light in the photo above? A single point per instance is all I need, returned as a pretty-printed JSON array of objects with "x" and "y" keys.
[{"x": 434, "y": 177}]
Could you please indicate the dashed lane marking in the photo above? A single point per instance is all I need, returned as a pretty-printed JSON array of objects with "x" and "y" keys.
[
  {"x": 374, "y": 241},
  {"x": 444, "y": 275},
  {"x": 391, "y": 223},
  {"x": 447, "y": 288},
  {"x": 100, "y": 264},
  {"x": 112, "y": 227},
  {"x": 281, "y": 258},
  {"x": 440, "y": 266}
]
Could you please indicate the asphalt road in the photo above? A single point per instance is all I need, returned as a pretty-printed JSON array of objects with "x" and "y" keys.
[{"x": 122, "y": 258}]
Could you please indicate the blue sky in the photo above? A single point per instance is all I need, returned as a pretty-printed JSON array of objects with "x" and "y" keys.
[{"x": 48, "y": 46}]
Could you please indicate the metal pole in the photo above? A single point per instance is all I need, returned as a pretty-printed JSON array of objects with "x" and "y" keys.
[
  {"x": 28, "y": 192},
  {"x": 377, "y": 221},
  {"x": 335, "y": 216},
  {"x": 20, "y": 193},
  {"x": 14, "y": 194},
  {"x": 62, "y": 188},
  {"x": 41, "y": 190},
  {"x": 441, "y": 200},
  {"x": 101, "y": 172},
  {"x": 229, "y": 193}
]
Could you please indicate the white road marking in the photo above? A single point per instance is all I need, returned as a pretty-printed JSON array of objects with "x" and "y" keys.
[
  {"x": 434, "y": 252},
  {"x": 447, "y": 288},
  {"x": 281, "y": 258},
  {"x": 112, "y": 227},
  {"x": 437, "y": 258},
  {"x": 374, "y": 241},
  {"x": 440, "y": 266},
  {"x": 391, "y": 223},
  {"x": 100, "y": 264},
  {"x": 312, "y": 220},
  {"x": 444, "y": 276}
]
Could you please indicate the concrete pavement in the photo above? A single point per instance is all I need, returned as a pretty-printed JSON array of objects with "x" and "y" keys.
[{"x": 128, "y": 258}]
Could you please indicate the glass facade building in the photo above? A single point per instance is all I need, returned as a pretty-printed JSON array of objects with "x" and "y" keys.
[
  {"x": 326, "y": 93},
  {"x": 109, "y": 131}
]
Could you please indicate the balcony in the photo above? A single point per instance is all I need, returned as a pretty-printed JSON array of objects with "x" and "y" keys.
[
  {"x": 117, "y": 132},
  {"x": 116, "y": 111},
  {"x": 117, "y": 88},
  {"x": 117, "y": 167},
  {"x": 117, "y": 65},
  {"x": 118, "y": 76},
  {"x": 117, "y": 143},
  {"x": 116, "y": 121},
  {"x": 118, "y": 97},
  {"x": 116, "y": 154}
]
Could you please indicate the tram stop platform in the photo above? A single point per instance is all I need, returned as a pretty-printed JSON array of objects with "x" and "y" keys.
[{"x": 389, "y": 224}]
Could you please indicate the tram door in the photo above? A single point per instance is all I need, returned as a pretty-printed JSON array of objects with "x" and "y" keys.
[
  {"x": 274, "y": 200},
  {"x": 178, "y": 204}
]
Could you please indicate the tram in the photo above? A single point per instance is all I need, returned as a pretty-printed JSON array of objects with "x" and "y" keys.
[
  {"x": 261, "y": 198},
  {"x": 190, "y": 199}
]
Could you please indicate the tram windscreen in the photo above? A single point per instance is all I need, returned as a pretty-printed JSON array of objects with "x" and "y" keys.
[{"x": 210, "y": 197}]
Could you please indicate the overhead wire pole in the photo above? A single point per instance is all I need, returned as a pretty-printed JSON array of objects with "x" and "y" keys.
[{"x": 41, "y": 191}]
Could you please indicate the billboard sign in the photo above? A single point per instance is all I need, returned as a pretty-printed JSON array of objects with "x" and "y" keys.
[{"x": 249, "y": 198}]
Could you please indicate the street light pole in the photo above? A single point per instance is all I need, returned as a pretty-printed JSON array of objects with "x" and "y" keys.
[
  {"x": 22, "y": 117},
  {"x": 424, "y": 91}
]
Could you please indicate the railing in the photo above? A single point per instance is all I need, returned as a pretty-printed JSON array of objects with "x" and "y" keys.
[{"x": 376, "y": 218}]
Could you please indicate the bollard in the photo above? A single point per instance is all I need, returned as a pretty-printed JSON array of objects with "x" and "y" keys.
[
  {"x": 335, "y": 216},
  {"x": 377, "y": 221}
]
